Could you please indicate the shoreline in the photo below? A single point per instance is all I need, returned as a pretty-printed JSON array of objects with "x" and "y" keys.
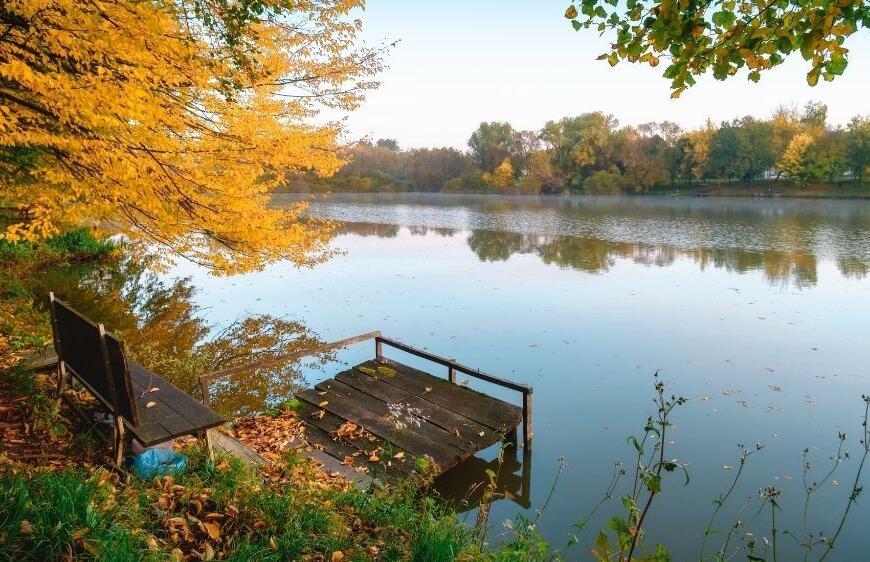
[{"x": 731, "y": 191}]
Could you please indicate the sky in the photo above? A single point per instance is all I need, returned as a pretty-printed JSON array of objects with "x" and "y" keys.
[{"x": 458, "y": 63}]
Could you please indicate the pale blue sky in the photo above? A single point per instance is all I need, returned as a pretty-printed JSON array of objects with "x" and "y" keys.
[{"x": 459, "y": 63}]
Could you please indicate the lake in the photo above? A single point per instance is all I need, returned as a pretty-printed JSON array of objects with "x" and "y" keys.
[{"x": 757, "y": 311}]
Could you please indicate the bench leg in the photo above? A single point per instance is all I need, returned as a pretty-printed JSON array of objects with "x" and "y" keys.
[
  {"x": 61, "y": 380},
  {"x": 209, "y": 443},
  {"x": 118, "y": 440}
]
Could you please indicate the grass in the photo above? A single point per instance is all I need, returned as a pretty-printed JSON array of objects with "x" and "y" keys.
[{"x": 48, "y": 516}]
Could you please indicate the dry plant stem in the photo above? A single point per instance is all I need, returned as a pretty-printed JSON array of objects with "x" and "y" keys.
[
  {"x": 856, "y": 487},
  {"x": 720, "y": 502},
  {"x": 810, "y": 490}
]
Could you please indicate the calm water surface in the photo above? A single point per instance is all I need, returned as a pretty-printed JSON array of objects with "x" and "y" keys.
[{"x": 758, "y": 311}]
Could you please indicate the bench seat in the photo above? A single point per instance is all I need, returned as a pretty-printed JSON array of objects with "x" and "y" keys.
[{"x": 172, "y": 414}]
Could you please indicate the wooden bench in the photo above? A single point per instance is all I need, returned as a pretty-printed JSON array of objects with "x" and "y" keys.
[{"x": 149, "y": 407}]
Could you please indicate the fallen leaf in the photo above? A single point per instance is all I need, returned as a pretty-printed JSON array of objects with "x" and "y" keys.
[
  {"x": 324, "y": 403},
  {"x": 337, "y": 556},
  {"x": 25, "y": 528},
  {"x": 213, "y": 530},
  {"x": 374, "y": 458},
  {"x": 399, "y": 455},
  {"x": 150, "y": 404},
  {"x": 428, "y": 389}
]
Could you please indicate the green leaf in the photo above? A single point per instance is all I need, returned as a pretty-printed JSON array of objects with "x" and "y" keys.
[
  {"x": 837, "y": 65},
  {"x": 653, "y": 483},
  {"x": 724, "y": 18}
]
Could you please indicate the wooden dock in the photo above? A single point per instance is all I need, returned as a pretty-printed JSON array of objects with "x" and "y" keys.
[{"x": 382, "y": 416}]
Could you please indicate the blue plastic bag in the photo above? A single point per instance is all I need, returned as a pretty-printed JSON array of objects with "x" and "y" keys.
[{"x": 158, "y": 462}]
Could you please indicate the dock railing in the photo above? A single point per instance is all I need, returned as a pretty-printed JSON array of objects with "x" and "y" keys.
[{"x": 453, "y": 367}]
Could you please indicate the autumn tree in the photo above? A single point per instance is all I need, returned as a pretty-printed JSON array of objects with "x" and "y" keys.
[
  {"x": 492, "y": 142},
  {"x": 428, "y": 169},
  {"x": 794, "y": 162},
  {"x": 580, "y": 145},
  {"x": 724, "y": 37},
  {"x": 502, "y": 177},
  {"x": 694, "y": 152},
  {"x": 174, "y": 120}
]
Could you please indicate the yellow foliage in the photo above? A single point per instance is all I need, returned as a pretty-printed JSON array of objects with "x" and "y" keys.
[
  {"x": 697, "y": 152},
  {"x": 138, "y": 115},
  {"x": 792, "y": 163},
  {"x": 503, "y": 175}
]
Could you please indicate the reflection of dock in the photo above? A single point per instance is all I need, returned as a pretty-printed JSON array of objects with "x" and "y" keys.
[
  {"x": 391, "y": 420},
  {"x": 466, "y": 484}
]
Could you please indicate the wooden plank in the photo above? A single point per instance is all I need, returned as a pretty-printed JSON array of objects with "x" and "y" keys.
[
  {"x": 414, "y": 443},
  {"x": 319, "y": 430},
  {"x": 382, "y": 409},
  {"x": 197, "y": 414},
  {"x": 468, "y": 430},
  {"x": 232, "y": 446},
  {"x": 486, "y": 410}
]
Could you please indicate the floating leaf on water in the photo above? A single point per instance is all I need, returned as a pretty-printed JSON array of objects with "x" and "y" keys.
[
  {"x": 727, "y": 466},
  {"x": 776, "y": 388}
]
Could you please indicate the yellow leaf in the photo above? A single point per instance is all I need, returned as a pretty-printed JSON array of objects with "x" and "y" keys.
[{"x": 214, "y": 531}]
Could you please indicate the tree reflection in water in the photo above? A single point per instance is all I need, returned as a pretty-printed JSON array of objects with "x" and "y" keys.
[
  {"x": 595, "y": 255},
  {"x": 164, "y": 330}
]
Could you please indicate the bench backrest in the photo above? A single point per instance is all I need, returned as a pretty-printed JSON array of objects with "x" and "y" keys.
[{"x": 95, "y": 357}]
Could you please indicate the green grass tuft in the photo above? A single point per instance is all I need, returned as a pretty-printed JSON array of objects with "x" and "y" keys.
[{"x": 48, "y": 515}]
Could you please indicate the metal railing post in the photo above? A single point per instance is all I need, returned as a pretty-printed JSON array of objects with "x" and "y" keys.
[{"x": 527, "y": 419}]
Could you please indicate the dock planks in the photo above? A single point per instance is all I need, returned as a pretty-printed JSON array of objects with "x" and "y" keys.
[{"x": 454, "y": 421}]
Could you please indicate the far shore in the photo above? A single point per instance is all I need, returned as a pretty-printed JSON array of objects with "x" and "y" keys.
[{"x": 758, "y": 189}]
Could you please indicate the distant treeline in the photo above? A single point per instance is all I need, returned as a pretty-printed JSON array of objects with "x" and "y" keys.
[{"x": 592, "y": 153}]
